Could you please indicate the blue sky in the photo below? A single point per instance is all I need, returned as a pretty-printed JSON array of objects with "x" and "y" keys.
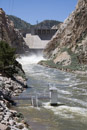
[{"x": 39, "y": 10}]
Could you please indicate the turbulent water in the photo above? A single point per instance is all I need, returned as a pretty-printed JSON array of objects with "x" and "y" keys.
[{"x": 71, "y": 114}]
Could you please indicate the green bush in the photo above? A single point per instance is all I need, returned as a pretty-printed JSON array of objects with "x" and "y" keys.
[
  {"x": 7, "y": 56},
  {"x": 20, "y": 115}
]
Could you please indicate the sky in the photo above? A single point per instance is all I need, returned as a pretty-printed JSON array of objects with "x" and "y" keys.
[{"x": 38, "y": 10}]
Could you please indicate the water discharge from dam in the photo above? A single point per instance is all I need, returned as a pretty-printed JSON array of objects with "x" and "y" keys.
[
  {"x": 72, "y": 95},
  {"x": 31, "y": 59}
]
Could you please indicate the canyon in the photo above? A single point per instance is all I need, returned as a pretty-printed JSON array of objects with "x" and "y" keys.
[
  {"x": 65, "y": 49},
  {"x": 70, "y": 40}
]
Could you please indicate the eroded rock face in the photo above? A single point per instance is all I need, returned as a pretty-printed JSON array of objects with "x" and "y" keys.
[
  {"x": 72, "y": 34},
  {"x": 10, "y": 35},
  {"x": 63, "y": 58}
]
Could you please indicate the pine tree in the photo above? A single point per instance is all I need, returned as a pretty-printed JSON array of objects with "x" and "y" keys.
[{"x": 7, "y": 56}]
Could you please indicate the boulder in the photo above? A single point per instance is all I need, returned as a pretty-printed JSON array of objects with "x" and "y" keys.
[
  {"x": 4, "y": 127},
  {"x": 12, "y": 122},
  {"x": 20, "y": 126}
]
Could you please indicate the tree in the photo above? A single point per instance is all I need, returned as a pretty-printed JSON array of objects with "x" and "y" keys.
[{"x": 7, "y": 56}]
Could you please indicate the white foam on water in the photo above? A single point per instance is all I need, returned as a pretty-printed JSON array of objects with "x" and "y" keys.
[
  {"x": 63, "y": 111},
  {"x": 78, "y": 83},
  {"x": 64, "y": 92},
  {"x": 66, "y": 111},
  {"x": 31, "y": 59},
  {"x": 67, "y": 79}
]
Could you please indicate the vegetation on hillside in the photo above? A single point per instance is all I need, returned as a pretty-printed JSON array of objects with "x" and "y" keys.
[
  {"x": 19, "y": 23},
  {"x": 47, "y": 24},
  {"x": 8, "y": 63},
  {"x": 75, "y": 65},
  {"x": 6, "y": 55}
]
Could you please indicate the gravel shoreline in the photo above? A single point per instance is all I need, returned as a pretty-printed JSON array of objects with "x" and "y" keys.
[{"x": 10, "y": 119}]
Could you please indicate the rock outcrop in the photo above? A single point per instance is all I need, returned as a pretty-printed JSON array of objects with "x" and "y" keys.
[
  {"x": 71, "y": 37},
  {"x": 10, "y": 87},
  {"x": 10, "y": 119},
  {"x": 11, "y": 35}
]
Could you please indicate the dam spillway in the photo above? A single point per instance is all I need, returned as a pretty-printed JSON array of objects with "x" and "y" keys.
[
  {"x": 34, "y": 42},
  {"x": 38, "y": 38}
]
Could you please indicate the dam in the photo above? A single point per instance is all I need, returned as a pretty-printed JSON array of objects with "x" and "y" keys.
[
  {"x": 44, "y": 34},
  {"x": 37, "y": 39}
]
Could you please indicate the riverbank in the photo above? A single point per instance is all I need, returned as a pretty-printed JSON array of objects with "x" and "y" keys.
[
  {"x": 10, "y": 119},
  {"x": 50, "y": 64}
]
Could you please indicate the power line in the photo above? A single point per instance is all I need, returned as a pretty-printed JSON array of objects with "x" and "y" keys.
[{"x": 11, "y": 6}]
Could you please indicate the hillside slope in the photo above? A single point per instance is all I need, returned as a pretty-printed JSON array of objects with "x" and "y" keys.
[
  {"x": 19, "y": 23},
  {"x": 10, "y": 35},
  {"x": 47, "y": 24},
  {"x": 22, "y": 25},
  {"x": 68, "y": 48}
]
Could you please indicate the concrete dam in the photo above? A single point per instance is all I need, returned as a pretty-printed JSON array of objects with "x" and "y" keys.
[{"x": 37, "y": 39}]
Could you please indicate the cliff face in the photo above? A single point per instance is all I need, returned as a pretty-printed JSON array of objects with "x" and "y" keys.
[
  {"x": 10, "y": 35},
  {"x": 71, "y": 39}
]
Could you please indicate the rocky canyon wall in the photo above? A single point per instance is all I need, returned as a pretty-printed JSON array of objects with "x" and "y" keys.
[
  {"x": 11, "y": 35},
  {"x": 71, "y": 38}
]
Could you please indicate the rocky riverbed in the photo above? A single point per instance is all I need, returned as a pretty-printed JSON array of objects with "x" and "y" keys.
[{"x": 10, "y": 119}]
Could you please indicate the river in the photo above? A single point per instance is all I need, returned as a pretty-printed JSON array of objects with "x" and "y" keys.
[{"x": 71, "y": 114}]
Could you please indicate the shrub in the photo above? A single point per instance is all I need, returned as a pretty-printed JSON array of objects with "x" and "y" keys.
[{"x": 7, "y": 56}]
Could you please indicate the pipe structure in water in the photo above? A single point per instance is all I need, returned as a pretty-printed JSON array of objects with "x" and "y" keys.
[{"x": 53, "y": 96}]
